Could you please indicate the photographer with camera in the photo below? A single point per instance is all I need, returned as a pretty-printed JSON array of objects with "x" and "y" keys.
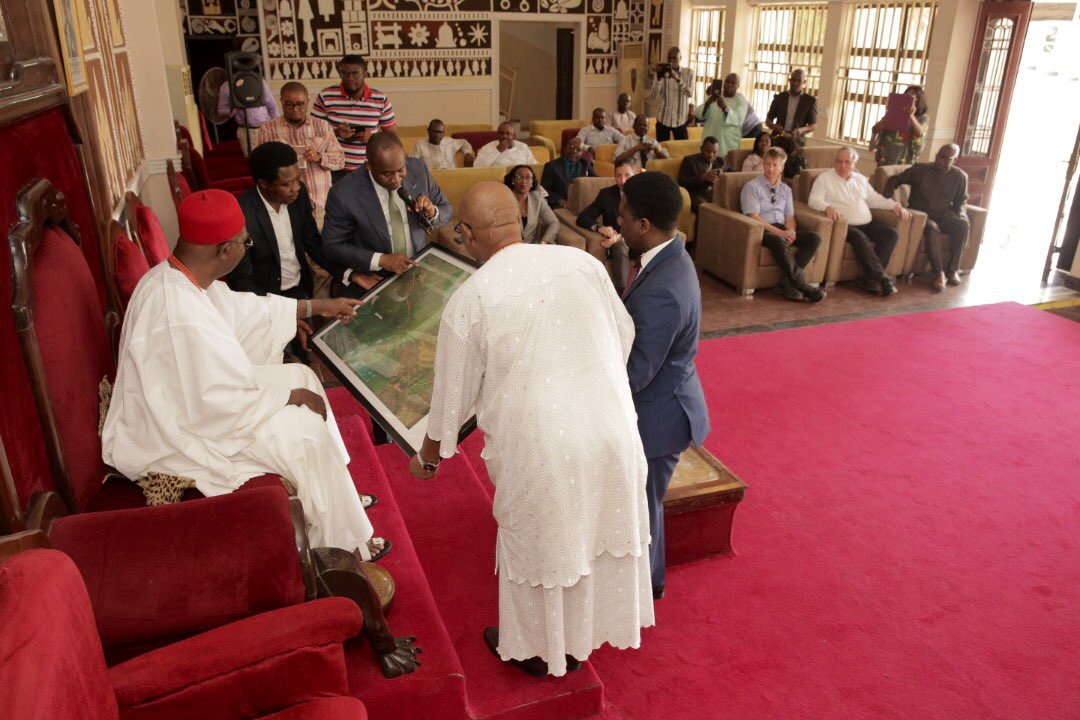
[{"x": 671, "y": 89}]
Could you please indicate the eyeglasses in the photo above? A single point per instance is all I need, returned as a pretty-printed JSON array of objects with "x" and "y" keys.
[
  {"x": 522, "y": 178},
  {"x": 294, "y": 105},
  {"x": 772, "y": 191},
  {"x": 247, "y": 242},
  {"x": 458, "y": 224}
]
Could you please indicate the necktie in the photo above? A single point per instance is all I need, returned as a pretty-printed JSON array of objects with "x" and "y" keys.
[
  {"x": 634, "y": 270},
  {"x": 397, "y": 228},
  {"x": 644, "y": 155}
]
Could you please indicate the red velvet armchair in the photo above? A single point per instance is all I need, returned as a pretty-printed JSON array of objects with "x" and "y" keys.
[{"x": 99, "y": 631}]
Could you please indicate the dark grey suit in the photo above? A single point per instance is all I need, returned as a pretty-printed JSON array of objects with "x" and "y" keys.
[{"x": 355, "y": 226}]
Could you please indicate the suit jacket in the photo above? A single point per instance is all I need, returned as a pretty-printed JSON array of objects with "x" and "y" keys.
[
  {"x": 665, "y": 302},
  {"x": 355, "y": 226},
  {"x": 556, "y": 181},
  {"x": 541, "y": 225},
  {"x": 692, "y": 168},
  {"x": 260, "y": 270},
  {"x": 603, "y": 210},
  {"x": 805, "y": 111}
]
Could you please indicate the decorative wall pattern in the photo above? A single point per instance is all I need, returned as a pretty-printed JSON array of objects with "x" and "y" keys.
[
  {"x": 109, "y": 76},
  {"x": 302, "y": 39}
]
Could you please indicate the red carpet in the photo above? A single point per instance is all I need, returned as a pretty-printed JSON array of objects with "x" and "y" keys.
[{"x": 907, "y": 547}]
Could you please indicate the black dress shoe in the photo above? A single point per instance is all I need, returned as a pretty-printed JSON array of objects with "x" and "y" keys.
[
  {"x": 572, "y": 663},
  {"x": 869, "y": 285},
  {"x": 812, "y": 293},
  {"x": 887, "y": 287},
  {"x": 658, "y": 592},
  {"x": 533, "y": 666}
]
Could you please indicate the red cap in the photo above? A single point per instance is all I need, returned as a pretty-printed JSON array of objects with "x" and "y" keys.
[{"x": 209, "y": 217}]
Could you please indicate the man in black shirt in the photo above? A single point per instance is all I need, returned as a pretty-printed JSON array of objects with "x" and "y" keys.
[{"x": 939, "y": 189}]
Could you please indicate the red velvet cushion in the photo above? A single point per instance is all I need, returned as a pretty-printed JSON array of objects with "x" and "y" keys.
[
  {"x": 198, "y": 168},
  {"x": 131, "y": 265},
  {"x": 227, "y": 166},
  {"x": 75, "y": 349},
  {"x": 568, "y": 134},
  {"x": 153, "y": 237},
  {"x": 248, "y": 668},
  {"x": 185, "y": 134},
  {"x": 338, "y": 708},
  {"x": 51, "y": 665},
  {"x": 164, "y": 572},
  {"x": 478, "y": 138},
  {"x": 185, "y": 187}
]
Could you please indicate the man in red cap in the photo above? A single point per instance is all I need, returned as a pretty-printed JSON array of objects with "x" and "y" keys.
[{"x": 201, "y": 391}]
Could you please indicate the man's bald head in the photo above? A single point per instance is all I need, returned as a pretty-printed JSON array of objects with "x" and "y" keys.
[{"x": 490, "y": 219}]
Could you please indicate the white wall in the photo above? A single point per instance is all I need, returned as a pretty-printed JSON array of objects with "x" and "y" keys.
[{"x": 530, "y": 47}]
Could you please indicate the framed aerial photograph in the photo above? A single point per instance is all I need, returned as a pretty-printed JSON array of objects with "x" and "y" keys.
[{"x": 386, "y": 354}]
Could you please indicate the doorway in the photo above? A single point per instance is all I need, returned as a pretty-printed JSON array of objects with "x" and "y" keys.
[
  {"x": 1039, "y": 136},
  {"x": 543, "y": 53}
]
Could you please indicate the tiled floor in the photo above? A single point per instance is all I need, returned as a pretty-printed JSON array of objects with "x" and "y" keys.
[{"x": 725, "y": 312}]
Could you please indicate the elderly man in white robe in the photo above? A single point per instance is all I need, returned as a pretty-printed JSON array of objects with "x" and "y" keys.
[
  {"x": 537, "y": 342},
  {"x": 201, "y": 391}
]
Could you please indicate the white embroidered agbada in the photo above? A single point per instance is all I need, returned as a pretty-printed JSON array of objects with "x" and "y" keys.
[
  {"x": 537, "y": 339},
  {"x": 201, "y": 392}
]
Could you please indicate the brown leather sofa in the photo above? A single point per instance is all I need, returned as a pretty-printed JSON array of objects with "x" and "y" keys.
[
  {"x": 729, "y": 243},
  {"x": 842, "y": 264},
  {"x": 915, "y": 260}
]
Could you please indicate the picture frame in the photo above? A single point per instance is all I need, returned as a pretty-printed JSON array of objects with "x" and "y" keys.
[
  {"x": 71, "y": 45},
  {"x": 385, "y": 355}
]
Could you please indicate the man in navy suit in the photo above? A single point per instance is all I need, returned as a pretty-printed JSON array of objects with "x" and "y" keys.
[
  {"x": 368, "y": 229},
  {"x": 664, "y": 299}
]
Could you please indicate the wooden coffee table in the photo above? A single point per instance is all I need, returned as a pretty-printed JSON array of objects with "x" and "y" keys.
[{"x": 699, "y": 507}]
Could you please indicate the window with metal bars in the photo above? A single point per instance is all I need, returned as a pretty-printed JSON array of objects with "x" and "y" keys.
[
  {"x": 886, "y": 51},
  {"x": 706, "y": 49},
  {"x": 786, "y": 37}
]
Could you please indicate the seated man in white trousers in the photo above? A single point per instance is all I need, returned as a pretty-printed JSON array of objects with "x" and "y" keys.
[{"x": 201, "y": 391}]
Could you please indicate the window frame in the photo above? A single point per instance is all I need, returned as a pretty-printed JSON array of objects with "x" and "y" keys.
[
  {"x": 769, "y": 64},
  {"x": 709, "y": 69},
  {"x": 885, "y": 59}
]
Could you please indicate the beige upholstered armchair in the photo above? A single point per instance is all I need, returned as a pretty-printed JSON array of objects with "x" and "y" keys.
[
  {"x": 915, "y": 260},
  {"x": 582, "y": 192},
  {"x": 729, "y": 243},
  {"x": 843, "y": 264}
]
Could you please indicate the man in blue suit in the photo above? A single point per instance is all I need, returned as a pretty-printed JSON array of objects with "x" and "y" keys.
[
  {"x": 664, "y": 299},
  {"x": 368, "y": 228}
]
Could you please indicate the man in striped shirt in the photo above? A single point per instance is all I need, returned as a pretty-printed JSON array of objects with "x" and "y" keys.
[
  {"x": 356, "y": 111},
  {"x": 671, "y": 89}
]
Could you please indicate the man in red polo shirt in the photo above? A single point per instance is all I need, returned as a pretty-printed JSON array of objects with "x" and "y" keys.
[{"x": 356, "y": 111}]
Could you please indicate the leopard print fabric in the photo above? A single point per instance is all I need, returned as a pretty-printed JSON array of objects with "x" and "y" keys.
[{"x": 158, "y": 488}]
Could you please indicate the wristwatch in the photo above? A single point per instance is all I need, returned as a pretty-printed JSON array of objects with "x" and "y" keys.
[{"x": 428, "y": 466}]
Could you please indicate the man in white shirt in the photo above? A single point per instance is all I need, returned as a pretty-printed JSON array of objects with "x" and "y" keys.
[
  {"x": 534, "y": 331},
  {"x": 599, "y": 133},
  {"x": 844, "y": 194},
  {"x": 623, "y": 117},
  {"x": 506, "y": 151},
  {"x": 201, "y": 391},
  {"x": 638, "y": 147},
  {"x": 439, "y": 152}
]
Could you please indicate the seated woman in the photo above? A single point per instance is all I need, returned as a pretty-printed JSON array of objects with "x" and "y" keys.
[
  {"x": 755, "y": 161},
  {"x": 538, "y": 221},
  {"x": 894, "y": 147}
]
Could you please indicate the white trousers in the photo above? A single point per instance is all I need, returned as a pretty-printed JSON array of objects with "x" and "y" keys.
[{"x": 296, "y": 444}]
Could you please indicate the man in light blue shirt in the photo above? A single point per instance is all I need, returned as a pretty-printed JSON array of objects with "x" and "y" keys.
[{"x": 768, "y": 200}]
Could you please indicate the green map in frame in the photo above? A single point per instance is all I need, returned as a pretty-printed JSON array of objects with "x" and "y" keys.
[{"x": 390, "y": 344}]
